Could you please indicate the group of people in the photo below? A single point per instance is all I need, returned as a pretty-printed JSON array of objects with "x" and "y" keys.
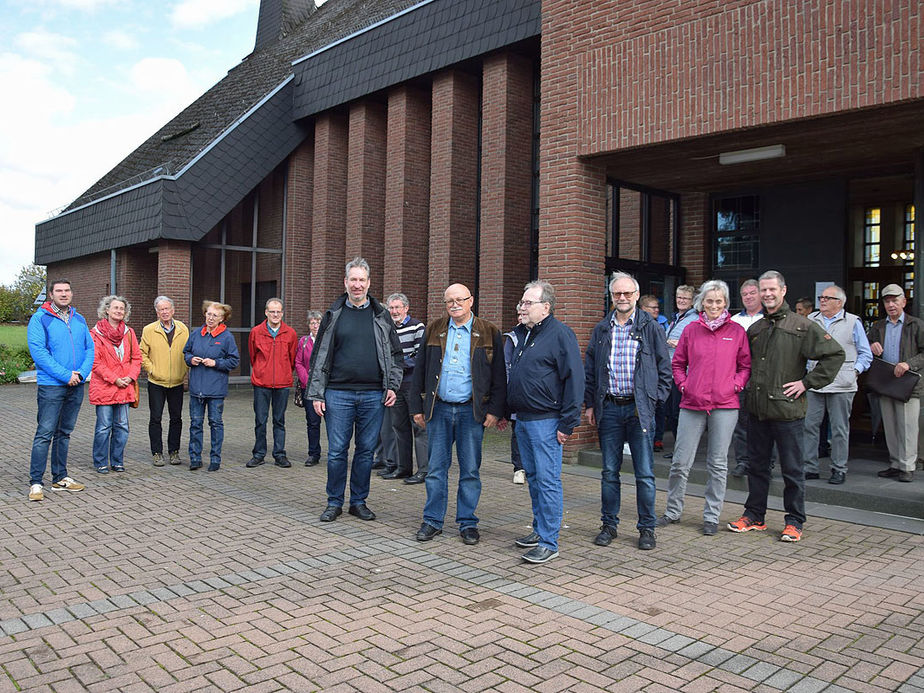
[{"x": 373, "y": 374}]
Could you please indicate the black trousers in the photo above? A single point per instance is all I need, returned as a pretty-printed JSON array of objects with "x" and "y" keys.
[
  {"x": 787, "y": 435},
  {"x": 157, "y": 396}
]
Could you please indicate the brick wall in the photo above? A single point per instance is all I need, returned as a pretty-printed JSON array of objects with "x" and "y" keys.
[
  {"x": 328, "y": 247},
  {"x": 174, "y": 274},
  {"x": 136, "y": 280},
  {"x": 299, "y": 203},
  {"x": 89, "y": 277}
]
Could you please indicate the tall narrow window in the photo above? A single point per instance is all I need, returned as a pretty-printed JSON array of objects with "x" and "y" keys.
[
  {"x": 909, "y": 228},
  {"x": 872, "y": 234},
  {"x": 736, "y": 238}
]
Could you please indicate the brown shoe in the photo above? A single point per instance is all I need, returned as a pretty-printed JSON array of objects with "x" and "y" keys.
[{"x": 905, "y": 476}]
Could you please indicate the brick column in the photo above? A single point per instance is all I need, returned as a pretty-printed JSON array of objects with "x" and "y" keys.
[
  {"x": 506, "y": 176},
  {"x": 694, "y": 238},
  {"x": 453, "y": 180},
  {"x": 365, "y": 217},
  {"x": 328, "y": 251},
  {"x": 174, "y": 279},
  {"x": 299, "y": 199},
  {"x": 407, "y": 196}
]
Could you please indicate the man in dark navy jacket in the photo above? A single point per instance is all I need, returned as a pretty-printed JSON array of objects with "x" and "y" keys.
[{"x": 544, "y": 390}]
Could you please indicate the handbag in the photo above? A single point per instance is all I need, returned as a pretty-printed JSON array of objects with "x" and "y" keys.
[
  {"x": 134, "y": 405},
  {"x": 299, "y": 397},
  {"x": 881, "y": 379}
]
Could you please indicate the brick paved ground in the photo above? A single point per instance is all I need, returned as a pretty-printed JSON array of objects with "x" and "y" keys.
[{"x": 162, "y": 579}]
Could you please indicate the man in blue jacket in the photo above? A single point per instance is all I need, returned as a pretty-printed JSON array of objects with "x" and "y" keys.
[
  {"x": 62, "y": 348},
  {"x": 544, "y": 390},
  {"x": 627, "y": 371}
]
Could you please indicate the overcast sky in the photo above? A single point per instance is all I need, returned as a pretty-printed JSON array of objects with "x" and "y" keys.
[{"x": 87, "y": 81}]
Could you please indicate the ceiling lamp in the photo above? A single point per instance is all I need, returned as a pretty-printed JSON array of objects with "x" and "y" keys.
[{"x": 742, "y": 156}]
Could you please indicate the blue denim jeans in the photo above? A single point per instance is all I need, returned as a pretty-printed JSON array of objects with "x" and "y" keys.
[
  {"x": 453, "y": 423},
  {"x": 110, "y": 435},
  {"x": 197, "y": 409},
  {"x": 618, "y": 425},
  {"x": 58, "y": 407},
  {"x": 263, "y": 397},
  {"x": 540, "y": 453},
  {"x": 346, "y": 411}
]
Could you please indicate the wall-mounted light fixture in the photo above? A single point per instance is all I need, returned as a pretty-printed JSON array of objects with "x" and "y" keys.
[
  {"x": 903, "y": 255},
  {"x": 742, "y": 156}
]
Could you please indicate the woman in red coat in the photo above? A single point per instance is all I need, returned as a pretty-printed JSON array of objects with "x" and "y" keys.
[{"x": 116, "y": 367}]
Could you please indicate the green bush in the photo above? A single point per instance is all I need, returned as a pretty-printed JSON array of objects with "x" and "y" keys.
[{"x": 13, "y": 361}]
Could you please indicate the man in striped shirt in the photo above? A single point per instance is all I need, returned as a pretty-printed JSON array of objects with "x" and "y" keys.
[{"x": 410, "y": 333}]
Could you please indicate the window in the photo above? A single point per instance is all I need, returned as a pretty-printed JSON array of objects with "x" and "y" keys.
[
  {"x": 872, "y": 235},
  {"x": 735, "y": 238},
  {"x": 909, "y": 229}
]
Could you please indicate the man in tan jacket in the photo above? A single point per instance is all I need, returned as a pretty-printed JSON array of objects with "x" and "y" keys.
[{"x": 162, "y": 345}]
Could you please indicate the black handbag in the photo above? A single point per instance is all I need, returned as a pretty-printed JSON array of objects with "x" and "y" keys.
[
  {"x": 299, "y": 397},
  {"x": 881, "y": 379}
]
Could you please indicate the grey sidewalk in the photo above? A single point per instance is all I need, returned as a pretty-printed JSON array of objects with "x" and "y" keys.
[{"x": 163, "y": 579}]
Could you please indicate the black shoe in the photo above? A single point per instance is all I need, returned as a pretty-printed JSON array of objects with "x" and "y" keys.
[
  {"x": 362, "y": 512},
  {"x": 214, "y": 467},
  {"x": 710, "y": 528},
  {"x": 607, "y": 534},
  {"x": 384, "y": 471},
  {"x": 529, "y": 541},
  {"x": 254, "y": 462},
  {"x": 889, "y": 473},
  {"x": 668, "y": 455},
  {"x": 331, "y": 513},
  {"x": 540, "y": 554},
  {"x": 417, "y": 478},
  {"x": 378, "y": 464},
  {"x": 193, "y": 466},
  {"x": 396, "y": 474},
  {"x": 664, "y": 521},
  {"x": 427, "y": 532},
  {"x": 906, "y": 476},
  {"x": 812, "y": 475},
  {"x": 470, "y": 536},
  {"x": 740, "y": 470},
  {"x": 837, "y": 477},
  {"x": 283, "y": 462},
  {"x": 646, "y": 539},
  {"x": 312, "y": 461}
]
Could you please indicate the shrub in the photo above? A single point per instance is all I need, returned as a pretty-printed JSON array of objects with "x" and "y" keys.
[{"x": 13, "y": 361}]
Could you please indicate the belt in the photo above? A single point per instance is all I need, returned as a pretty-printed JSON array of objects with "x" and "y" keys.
[
  {"x": 456, "y": 404},
  {"x": 619, "y": 399}
]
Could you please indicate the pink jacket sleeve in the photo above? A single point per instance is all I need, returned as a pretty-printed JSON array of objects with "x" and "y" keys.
[{"x": 303, "y": 360}]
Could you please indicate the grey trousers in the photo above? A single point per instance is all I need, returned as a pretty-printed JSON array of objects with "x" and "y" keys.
[
  {"x": 691, "y": 424},
  {"x": 404, "y": 429},
  {"x": 741, "y": 433},
  {"x": 900, "y": 422},
  {"x": 838, "y": 405}
]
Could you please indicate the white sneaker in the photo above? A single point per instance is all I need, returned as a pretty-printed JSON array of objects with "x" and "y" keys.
[
  {"x": 67, "y": 484},
  {"x": 36, "y": 492},
  {"x": 519, "y": 476}
]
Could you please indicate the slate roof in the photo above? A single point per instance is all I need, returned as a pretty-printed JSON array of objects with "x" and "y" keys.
[{"x": 189, "y": 174}]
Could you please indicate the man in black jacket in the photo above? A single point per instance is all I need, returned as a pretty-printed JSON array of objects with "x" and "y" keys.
[
  {"x": 544, "y": 390},
  {"x": 457, "y": 392},
  {"x": 356, "y": 368}
]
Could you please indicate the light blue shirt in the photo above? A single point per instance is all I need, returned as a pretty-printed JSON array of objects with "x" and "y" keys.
[
  {"x": 891, "y": 349},
  {"x": 456, "y": 369},
  {"x": 860, "y": 341}
]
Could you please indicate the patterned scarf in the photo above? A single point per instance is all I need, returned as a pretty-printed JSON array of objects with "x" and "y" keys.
[
  {"x": 113, "y": 334},
  {"x": 714, "y": 324}
]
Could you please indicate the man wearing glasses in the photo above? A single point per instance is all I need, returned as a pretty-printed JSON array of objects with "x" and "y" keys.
[
  {"x": 458, "y": 390},
  {"x": 627, "y": 371},
  {"x": 837, "y": 398}
]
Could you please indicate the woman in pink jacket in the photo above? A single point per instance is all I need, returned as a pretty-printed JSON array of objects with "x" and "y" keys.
[
  {"x": 711, "y": 366},
  {"x": 116, "y": 366},
  {"x": 302, "y": 369}
]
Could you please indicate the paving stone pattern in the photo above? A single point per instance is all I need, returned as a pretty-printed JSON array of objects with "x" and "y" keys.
[{"x": 163, "y": 579}]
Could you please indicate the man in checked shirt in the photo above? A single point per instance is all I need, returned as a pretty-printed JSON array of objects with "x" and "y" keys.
[{"x": 627, "y": 371}]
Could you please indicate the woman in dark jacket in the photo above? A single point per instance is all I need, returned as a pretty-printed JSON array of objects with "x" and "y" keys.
[{"x": 211, "y": 354}]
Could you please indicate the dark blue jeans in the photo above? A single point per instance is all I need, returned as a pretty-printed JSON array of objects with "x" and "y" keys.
[
  {"x": 313, "y": 424},
  {"x": 197, "y": 409},
  {"x": 58, "y": 407},
  {"x": 788, "y": 436},
  {"x": 263, "y": 397},
  {"x": 348, "y": 411},
  {"x": 618, "y": 425},
  {"x": 453, "y": 423},
  {"x": 541, "y": 454}
]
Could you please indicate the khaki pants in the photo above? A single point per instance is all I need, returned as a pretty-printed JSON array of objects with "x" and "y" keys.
[{"x": 900, "y": 422}]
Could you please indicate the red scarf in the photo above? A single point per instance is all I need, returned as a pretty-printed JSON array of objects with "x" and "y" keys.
[
  {"x": 217, "y": 331},
  {"x": 113, "y": 334}
]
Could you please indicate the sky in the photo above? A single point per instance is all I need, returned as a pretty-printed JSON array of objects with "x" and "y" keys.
[{"x": 87, "y": 81}]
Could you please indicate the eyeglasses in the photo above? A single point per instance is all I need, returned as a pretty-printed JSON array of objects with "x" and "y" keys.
[
  {"x": 527, "y": 304},
  {"x": 621, "y": 294},
  {"x": 456, "y": 301},
  {"x": 828, "y": 298}
]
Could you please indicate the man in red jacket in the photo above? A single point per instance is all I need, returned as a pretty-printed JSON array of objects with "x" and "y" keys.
[{"x": 272, "y": 357}]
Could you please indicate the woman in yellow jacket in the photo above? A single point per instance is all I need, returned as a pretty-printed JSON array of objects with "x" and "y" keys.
[{"x": 162, "y": 345}]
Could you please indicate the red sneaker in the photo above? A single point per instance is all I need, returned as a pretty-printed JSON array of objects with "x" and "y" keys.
[
  {"x": 658, "y": 446},
  {"x": 791, "y": 533},
  {"x": 746, "y": 524}
]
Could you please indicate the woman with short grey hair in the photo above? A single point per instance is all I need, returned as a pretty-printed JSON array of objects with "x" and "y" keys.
[{"x": 302, "y": 371}]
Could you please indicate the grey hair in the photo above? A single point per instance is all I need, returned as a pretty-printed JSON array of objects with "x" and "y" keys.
[
  {"x": 773, "y": 274},
  {"x": 314, "y": 315},
  {"x": 622, "y": 275},
  {"x": 357, "y": 262},
  {"x": 398, "y": 296},
  {"x": 274, "y": 299},
  {"x": 841, "y": 294},
  {"x": 710, "y": 285},
  {"x": 747, "y": 283},
  {"x": 548, "y": 293},
  {"x": 106, "y": 301},
  {"x": 686, "y": 289},
  {"x": 161, "y": 299}
]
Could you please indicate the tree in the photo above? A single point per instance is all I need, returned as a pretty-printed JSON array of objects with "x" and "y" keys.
[{"x": 16, "y": 299}]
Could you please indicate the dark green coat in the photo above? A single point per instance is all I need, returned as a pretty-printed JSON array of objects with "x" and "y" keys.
[{"x": 781, "y": 343}]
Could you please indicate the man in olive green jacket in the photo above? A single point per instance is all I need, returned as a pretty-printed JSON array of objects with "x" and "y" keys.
[{"x": 781, "y": 344}]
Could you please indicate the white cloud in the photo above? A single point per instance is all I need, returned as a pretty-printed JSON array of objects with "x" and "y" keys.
[
  {"x": 198, "y": 13},
  {"x": 166, "y": 80},
  {"x": 48, "y": 46},
  {"x": 120, "y": 40},
  {"x": 80, "y": 4}
]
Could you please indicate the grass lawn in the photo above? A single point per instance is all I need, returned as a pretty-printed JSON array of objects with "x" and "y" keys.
[{"x": 13, "y": 335}]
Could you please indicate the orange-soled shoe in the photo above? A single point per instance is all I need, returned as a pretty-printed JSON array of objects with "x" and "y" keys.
[
  {"x": 746, "y": 524},
  {"x": 791, "y": 533}
]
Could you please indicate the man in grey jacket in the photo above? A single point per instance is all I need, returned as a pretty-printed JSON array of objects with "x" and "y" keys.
[{"x": 356, "y": 370}]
